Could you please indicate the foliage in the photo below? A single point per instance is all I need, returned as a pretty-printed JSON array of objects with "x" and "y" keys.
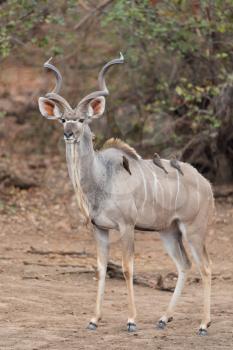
[
  {"x": 38, "y": 22},
  {"x": 180, "y": 50},
  {"x": 179, "y": 56}
]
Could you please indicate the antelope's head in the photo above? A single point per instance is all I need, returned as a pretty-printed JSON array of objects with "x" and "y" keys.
[{"x": 54, "y": 106}]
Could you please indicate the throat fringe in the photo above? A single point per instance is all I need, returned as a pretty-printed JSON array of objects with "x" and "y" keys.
[{"x": 72, "y": 164}]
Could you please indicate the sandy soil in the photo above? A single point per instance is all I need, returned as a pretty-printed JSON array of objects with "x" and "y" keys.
[{"x": 47, "y": 300}]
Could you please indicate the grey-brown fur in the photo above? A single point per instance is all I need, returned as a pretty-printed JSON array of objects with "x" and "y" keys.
[
  {"x": 121, "y": 145},
  {"x": 178, "y": 207}
]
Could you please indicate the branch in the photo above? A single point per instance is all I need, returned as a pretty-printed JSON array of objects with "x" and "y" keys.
[
  {"x": 33, "y": 250},
  {"x": 84, "y": 5},
  {"x": 96, "y": 11}
]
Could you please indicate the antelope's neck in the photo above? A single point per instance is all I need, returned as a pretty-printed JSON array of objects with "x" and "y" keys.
[
  {"x": 86, "y": 155},
  {"x": 87, "y": 162},
  {"x": 86, "y": 171}
]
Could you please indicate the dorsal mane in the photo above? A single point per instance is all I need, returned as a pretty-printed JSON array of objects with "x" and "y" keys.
[{"x": 121, "y": 145}]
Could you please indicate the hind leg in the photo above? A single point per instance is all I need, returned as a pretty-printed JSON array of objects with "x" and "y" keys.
[
  {"x": 174, "y": 246},
  {"x": 203, "y": 262},
  {"x": 127, "y": 241}
]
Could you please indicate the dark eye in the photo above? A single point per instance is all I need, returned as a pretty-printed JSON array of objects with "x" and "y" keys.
[
  {"x": 81, "y": 120},
  {"x": 63, "y": 120}
]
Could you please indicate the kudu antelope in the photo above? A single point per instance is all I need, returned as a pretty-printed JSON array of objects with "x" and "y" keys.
[{"x": 139, "y": 196}]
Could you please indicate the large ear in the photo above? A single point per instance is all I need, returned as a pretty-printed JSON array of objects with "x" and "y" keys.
[
  {"x": 49, "y": 109},
  {"x": 96, "y": 107}
]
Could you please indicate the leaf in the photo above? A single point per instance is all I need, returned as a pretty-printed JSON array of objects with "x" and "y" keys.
[{"x": 179, "y": 91}]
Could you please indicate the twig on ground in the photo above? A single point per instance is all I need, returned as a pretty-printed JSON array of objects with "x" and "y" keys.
[
  {"x": 55, "y": 265},
  {"x": 115, "y": 271},
  {"x": 33, "y": 250}
]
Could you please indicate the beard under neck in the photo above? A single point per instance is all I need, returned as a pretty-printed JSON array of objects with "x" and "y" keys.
[{"x": 72, "y": 159}]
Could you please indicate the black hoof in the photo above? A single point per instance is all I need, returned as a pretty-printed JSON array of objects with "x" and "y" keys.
[
  {"x": 92, "y": 326},
  {"x": 202, "y": 332},
  {"x": 161, "y": 324},
  {"x": 131, "y": 327}
]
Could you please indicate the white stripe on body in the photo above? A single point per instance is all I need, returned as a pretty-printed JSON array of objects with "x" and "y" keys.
[
  {"x": 157, "y": 184},
  {"x": 144, "y": 184},
  {"x": 198, "y": 193},
  {"x": 178, "y": 188}
]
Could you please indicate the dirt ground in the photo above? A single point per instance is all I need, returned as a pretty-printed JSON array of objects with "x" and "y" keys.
[{"x": 48, "y": 299}]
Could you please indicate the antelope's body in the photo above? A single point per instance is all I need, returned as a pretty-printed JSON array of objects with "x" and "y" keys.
[
  {"x": 148, "y": 198},
  {"x": 117, "y": 189}
]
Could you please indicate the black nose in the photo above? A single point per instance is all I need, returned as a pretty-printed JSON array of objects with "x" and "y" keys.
[{"x": 68, "y": 134}]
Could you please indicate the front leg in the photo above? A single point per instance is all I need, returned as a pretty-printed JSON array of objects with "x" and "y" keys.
[
  {"x": 102, "y": 240},
  {"x": 127, "y": 234}
]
